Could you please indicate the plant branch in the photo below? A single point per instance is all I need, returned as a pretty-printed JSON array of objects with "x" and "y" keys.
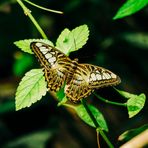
[
  {"x": 43, "y": 8},
  {"x": 109, "y": 102},
  {"x": 99, "y": 130},
  {"x": 28, "y": 13}
]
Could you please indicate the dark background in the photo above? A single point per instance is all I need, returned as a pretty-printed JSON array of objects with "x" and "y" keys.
[{"x": 121, "y": 46}]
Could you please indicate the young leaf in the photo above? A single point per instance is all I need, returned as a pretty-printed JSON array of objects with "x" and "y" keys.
[
  {"x": 82, "y": 113},
  {"x": 31, "y": 89},
  {"x": 24, "y": 45},
  {"x": 125, "y": 94},
  {"x": 80, "y": 36},
  {"x": 69, "y": 41},
  {"x": 130, "y": 7},
  {"x": 64, "y": 42},
  {"x": 135, "y": 104}
]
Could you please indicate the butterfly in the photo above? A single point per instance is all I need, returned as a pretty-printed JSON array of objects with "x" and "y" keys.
[{"x": 81, "y": 79}]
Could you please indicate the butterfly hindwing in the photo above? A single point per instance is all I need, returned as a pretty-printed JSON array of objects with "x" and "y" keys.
[
  {"x": 78, "y": 87},
  {"x": 86, "y": 78},
  {"x": 100, "y": 77}
]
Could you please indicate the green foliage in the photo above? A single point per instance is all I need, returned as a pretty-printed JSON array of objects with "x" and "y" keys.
[
  {"x": 64, "y": 42},
  {"x": 22, "y": 62},
  {"x": 31, "y": 89},
  {"x": 130, "y": 7},
  {"x": 135, "y": 103},
  {"x": 129, "y": 134},
  {"x": 138, "y": 39},
  {"x": 24, "y": 45},
  {"x": 33, "y": 85},
  {"x": 69, "y": 41},
  {"x": 39, "y": 81},
  {"x": 125, "y": 94},
  {"x": 37, "y": 139},
  {"x": 7, "y": 107},
  {"x": 83, "y": 114}
]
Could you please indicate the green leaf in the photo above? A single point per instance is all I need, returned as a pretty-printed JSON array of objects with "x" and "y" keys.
[
  {"x": 125, "y": 94},
  {"x": 64, "y": 42},
  {"x": 24, "y": 45},
  {"x": 135, "y": 104},
  {"x": 61, "y": 96},
  {"x": 63, "y": 101},
  {"x": 130, "y": 7},
  {"x": 69, "y": 41},
  {"x": 31, "y": 89},
  {"x": 80, "y": 36},
  {"x": 82, "y": 113},
  {"x": 129, "y": 134}
]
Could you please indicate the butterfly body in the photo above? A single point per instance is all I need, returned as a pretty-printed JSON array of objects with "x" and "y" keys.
[{"x": 81, "y": 79}]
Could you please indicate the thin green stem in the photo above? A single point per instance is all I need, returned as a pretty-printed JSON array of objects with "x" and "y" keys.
[
  {"x": 109, "y": 102},
  {"x": 105, "y": 138},
  {"x": 68, "y": 105},
  {"x": 97, "y": 125},
  {"x": 43, "y": 8},
  {"x": 28, "y": 13}
]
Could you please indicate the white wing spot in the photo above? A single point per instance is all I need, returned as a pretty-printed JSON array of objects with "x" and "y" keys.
[
  {"x": 43, "y": 48},
  {"x": 97, "y": 71},
  {"x": 103, "y": 77},
  {"x": 44, "y": 52},
  {"x": 60, "y": 73},
  {"x": 48, "y": 56},
  {"x": 113, "y": 75},
  {"x": 52, "y": 52},
  {"x": 93, "y": 76},
  {"x": 51, "y": 60},
  {"x": 98, "y": 76},
  {"x": 38, "y": 44},
  {"x": 107, "y": 76}
]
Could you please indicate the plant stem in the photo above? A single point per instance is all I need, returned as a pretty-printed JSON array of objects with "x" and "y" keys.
[
  {"x": 43, "y": 8},
  {"x": 68, "y": 105},
  {"x": 28, "y": 13},
  {"x": 97, "y": 125},
  {"x": 109, "y": 102}
]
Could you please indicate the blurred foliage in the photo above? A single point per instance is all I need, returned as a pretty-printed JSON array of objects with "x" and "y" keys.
[
  {"x": 119, "y": 45},
  {"x": 130, "y": 7},
  {"x": 129, "y": 134}
]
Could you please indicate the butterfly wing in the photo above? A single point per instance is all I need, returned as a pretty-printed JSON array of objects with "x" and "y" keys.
[
  {"x": 100, "y": 77},
  {"x": 86, "y": 78},
  {"x": 78, "y": 87},
  {"x": 56, "y": 64}
]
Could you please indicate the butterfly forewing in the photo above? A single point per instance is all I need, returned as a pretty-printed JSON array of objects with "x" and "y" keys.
[
  {"x": 55, "y": 64},
  {"x": 88, "y": 77}
]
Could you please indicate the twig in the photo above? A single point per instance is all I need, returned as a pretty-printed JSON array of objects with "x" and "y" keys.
[
  {"x": 109, "y": 102},
  {"x": 28, "y": 13},
  {"x": 97, "y": 125}
]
